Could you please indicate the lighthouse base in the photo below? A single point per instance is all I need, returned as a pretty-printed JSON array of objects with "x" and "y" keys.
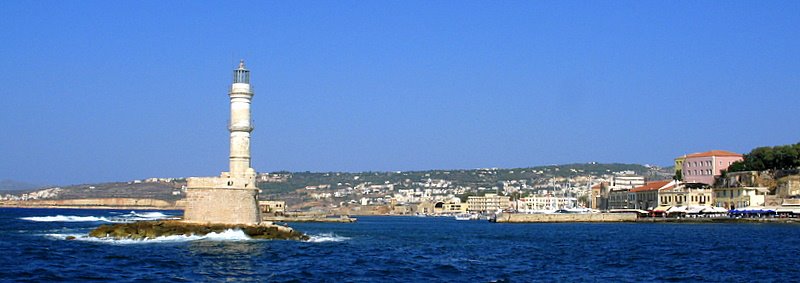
[{"x": 222, "y": 206}]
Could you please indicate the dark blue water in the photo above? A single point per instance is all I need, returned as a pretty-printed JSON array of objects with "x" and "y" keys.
[{"x": 404, "y": 249}]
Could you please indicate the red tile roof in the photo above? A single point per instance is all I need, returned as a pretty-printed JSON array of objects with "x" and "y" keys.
[
  {"x": 600, "y": 185},
  {"x": 714, "y": 153},
  {"x": 651, "y": 186}
]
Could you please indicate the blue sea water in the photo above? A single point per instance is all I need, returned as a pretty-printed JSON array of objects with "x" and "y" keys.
[{"x": 400, "y": 249}]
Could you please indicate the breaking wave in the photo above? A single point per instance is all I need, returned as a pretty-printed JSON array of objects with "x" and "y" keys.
[
  {"x": 326, "y": 237},
  {"x": 144, "y": 216},
  {"x": 149, "y": 214},
  {"x": 123, "y": 218},
  {"x": 227, "y": 235},
  {"x": 68, "y": 218}
]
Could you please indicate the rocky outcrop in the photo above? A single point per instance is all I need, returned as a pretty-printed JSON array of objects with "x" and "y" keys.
[{"x": 152, "y": 229}]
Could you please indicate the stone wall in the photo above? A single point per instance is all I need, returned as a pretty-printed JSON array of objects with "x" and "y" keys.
[
  {"x": 566, "y": 217},
  {"x": 221, "y": 205},
  {"x": 788, "y": 186}
]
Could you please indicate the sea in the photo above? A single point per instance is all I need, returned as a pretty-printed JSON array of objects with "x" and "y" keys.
[{"x": 35, "y": 247}]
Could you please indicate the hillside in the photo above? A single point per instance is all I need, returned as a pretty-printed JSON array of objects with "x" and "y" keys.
[
  {"x": 485, "y": 177},
  {"x": 299, "y": 188}
]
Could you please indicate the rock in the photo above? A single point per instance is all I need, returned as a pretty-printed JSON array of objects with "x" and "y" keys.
[
  {"x": 100, "y": 232},
  {"x": 69, "y": 238},
  {"x": 152, "y": 229}
]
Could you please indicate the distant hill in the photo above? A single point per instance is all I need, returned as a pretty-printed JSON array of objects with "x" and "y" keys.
[
  {"x": 485, "y": 177},
  {"x": 474, "y": 178},
  {"x": 11, "y": 185}
]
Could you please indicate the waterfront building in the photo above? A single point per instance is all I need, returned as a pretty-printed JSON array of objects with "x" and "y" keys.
[
  {"x": 488, "y": 203},
  {"x": 599, "y": 196},
  {"x": 647, "y": 197},
  {"x": 686, "y": 195},
  {"x": 705, "y": 167},
  {"x": 789, "y": 207},
  {"x": 741, "y": 197},
  {"x": 454, "y": 206},
  {"x": 445, "y": 206},
  {"x": 788, "y": 186},
  {"x": 618, "y": 198},
  {"x": 275, "y": 207},
  {"x": 619, "y": 190},
  {"x": 425, "y": 207},
  {"x": 545, "y": 203}
]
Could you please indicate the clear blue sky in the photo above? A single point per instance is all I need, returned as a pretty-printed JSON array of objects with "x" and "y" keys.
[{"x": 98, "y": 91}]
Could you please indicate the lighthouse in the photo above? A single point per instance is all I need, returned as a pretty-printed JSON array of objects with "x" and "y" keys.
[
  {"x": 231, "y": 198},
  {"x": 240, "y": 125}
]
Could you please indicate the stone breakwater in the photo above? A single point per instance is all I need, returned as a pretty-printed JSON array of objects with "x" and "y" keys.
[
  {"x": 153, "y": 229},
  {"x": 342, "y": 219},
  {"x": 567, "y": 217}
]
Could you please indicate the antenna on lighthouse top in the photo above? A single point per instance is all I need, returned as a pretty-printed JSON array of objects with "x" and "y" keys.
[{"x": 241, "y": 75}]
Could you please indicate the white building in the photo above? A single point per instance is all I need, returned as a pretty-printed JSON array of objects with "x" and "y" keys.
[
  {"x": 545, "y": 203},
  {"x": 488, "y": 203}
]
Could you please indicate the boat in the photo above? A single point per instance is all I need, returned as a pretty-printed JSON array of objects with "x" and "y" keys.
[
  {"x": 575, "y": 210},
  {"x": 463, "y": 216}
]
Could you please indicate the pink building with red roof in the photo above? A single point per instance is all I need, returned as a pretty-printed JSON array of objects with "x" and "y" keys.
[{"x": 704, "y": 167}]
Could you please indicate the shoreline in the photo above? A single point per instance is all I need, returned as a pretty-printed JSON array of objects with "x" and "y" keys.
[
  {"x": 354, "y": 217},
  {"x": 719, "y": 220}
]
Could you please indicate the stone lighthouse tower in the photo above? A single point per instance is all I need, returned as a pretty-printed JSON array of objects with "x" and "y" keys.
[
  {"x": 240, "y": 126},
  {"x": 231, "y": 198}
]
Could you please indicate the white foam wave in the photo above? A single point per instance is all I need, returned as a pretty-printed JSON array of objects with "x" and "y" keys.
[
  {"x": 326, "y": 237},
  {"x": 144, "y": 216},
  {"x": 67, "y": 218},
  {"x": 124, "y": 218},
  {"x": 156, "y": 215},
  {"x": 227, "y": 235}
]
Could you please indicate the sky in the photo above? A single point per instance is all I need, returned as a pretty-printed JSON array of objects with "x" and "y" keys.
[{"x": 98, "y": 91}]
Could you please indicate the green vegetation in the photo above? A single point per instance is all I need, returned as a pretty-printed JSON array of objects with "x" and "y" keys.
[{"x": 769, "y": 158}]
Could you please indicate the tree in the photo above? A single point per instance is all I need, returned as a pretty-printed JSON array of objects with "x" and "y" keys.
[
  {"x": 738, "y": 166},
  {"x": 766, "y": 158}
]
